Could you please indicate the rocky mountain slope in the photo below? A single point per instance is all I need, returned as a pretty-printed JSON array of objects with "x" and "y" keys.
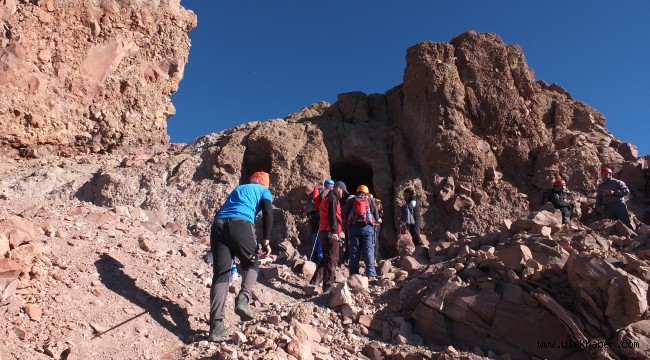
[
  {"x": 89, "y": 76},
  {"x": 104, "y": 224}
]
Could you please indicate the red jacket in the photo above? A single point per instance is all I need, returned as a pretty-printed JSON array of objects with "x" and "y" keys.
[{"x": 330, "y": 213}]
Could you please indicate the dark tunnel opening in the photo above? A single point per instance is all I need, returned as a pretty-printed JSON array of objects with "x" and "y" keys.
[{"x": 353, "y": 172}]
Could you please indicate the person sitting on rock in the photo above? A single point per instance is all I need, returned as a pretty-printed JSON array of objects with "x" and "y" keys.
[
  {"x": 609, "y": 199},
  {"x": 411, "y": 216},
  {"x": 361, "y": 218},
  {"x": 556, "y": 197},
  {"x": 233, "y": 235}
]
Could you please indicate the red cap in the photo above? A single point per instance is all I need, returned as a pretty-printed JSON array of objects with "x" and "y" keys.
[
  {"x": 606, "y": 170},
  {"x": 559, "y": 182}
]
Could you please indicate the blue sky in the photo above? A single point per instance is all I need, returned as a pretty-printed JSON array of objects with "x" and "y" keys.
[{"x": 258, "y": 60}]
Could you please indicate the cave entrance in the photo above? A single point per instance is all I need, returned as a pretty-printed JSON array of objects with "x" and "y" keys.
[
  {"x": 353, "y": 172},
  {"x": 256, "y": 158}
]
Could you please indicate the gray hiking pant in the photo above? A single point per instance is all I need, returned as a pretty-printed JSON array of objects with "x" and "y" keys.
[
  {"x": 230, "y": 238},
  {"x": 618, "y": 211}
]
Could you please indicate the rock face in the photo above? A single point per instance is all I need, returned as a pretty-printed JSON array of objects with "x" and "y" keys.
[
  {"x": 469, "y": 129},
  {"x": 79, "y": 76}
]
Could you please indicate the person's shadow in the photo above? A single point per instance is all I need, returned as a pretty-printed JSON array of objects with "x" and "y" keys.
[{"x": 168, "y": 314}]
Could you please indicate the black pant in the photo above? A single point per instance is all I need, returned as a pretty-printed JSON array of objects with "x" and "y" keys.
[
  {"x": 414, "y": 230},
  {"x": 230, "y": 238},
  {"x": 566, "y": 214},
  {"x": 327, "y": 267}
]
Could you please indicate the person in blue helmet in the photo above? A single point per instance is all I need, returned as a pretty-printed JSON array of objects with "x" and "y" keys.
[{"x": 233, "y": 235}]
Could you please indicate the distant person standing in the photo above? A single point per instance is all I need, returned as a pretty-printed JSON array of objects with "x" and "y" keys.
[
  {"x": 556, "y": 197},
  {"x": 411, "y": 215},
  {"x": 380, "y": 211},
  {"x": 233, "y": 235},
  {"x": 610, "y": 196}
]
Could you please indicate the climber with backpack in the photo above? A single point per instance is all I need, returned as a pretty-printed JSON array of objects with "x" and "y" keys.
[{"x": 361, "y": 219}]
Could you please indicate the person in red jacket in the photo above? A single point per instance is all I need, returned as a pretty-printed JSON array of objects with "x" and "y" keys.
[{"x": 331, "y": 232}]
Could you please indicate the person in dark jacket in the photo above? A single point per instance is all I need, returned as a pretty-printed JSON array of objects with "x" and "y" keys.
[
  {"x": 610, "y": 198},
  {"x": 411, "y": 215},
  {"x": 233, "y": 235},
  {"x": 556, "y": 197},
  {"x": 330, "y": 235},
  {"x": 361, "y": 217}
]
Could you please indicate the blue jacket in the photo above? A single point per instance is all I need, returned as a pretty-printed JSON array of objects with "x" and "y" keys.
[{"x": 619, "y": 188}]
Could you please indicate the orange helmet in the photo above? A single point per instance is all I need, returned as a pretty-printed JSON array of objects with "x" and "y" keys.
[
  {"x": 261, "y": 178},
  {"x": 559, "y": 182},
  {"x": 363, "y": 189},
  {"x": 606, "y": 170}
]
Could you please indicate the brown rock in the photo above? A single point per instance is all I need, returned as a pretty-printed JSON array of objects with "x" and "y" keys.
[
  {"x": 371, "y": 322},
  {"x": 624, "y": 294},
  {"x": 305, "y": 332},
  {"x": 410, "y": 264},
  {"x": 633, "y": 341},
  {"x": 4, "y": 245},
  {"x": 340, "y": 295},
  {"x": 301, "y": 350},
  {"x": 10, "y": 269},
  {"x": 358, "y": 283},
  {"x": 515, "y": 257},
  {"x": 33, "y": 311},
  {"x": 385, "y": 267}
]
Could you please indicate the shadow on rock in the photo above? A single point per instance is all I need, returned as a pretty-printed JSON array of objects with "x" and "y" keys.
[{"x": 168, "y": 314}]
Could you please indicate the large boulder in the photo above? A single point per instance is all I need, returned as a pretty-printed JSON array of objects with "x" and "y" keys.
[{"x": 79, "y": 76}]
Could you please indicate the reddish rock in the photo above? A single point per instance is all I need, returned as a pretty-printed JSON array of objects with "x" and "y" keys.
[
  {"x": 371, "y": 322},
  {"x": 33, "y": 311}
]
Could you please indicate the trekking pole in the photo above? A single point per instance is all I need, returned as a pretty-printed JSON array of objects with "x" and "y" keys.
[{"x": 313, "y": 247}]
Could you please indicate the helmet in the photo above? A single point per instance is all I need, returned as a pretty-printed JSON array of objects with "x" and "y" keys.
[
  {"x": 363, "y": 189},
  {"x": 261, "y": 178},
  {"x": 328, "y": 183},
  {"x": 606, "y": 170},
  {"x": 559, "y": 182}
]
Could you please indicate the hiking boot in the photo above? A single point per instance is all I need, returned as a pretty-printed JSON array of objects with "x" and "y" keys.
[
  {"x": 243, "y": 309},
  {"x": 327, "y": 290},
  {"x": 218, "y": 331}
]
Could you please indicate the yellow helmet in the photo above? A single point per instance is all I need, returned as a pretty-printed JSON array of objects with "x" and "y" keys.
[{"x": 363, "y": 189}]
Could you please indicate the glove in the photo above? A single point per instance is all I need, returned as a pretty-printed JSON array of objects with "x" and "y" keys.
[{"x": 266, "y": 249}]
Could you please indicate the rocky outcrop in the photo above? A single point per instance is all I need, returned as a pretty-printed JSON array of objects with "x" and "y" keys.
[
  {"x": 469, "y": 129},
  {"x": 79, "y": 76}
]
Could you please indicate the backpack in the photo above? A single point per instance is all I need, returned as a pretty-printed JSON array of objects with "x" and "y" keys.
[
  {"x": 545, "y": 195},
  {"x": 360, "y": 211},
  {"x": 380, "y": 208}
]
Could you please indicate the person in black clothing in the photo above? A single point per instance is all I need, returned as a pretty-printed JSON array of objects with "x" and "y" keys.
[
  {"x": 411, "y": 215},
  {"x": 556, "y": 197}
]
